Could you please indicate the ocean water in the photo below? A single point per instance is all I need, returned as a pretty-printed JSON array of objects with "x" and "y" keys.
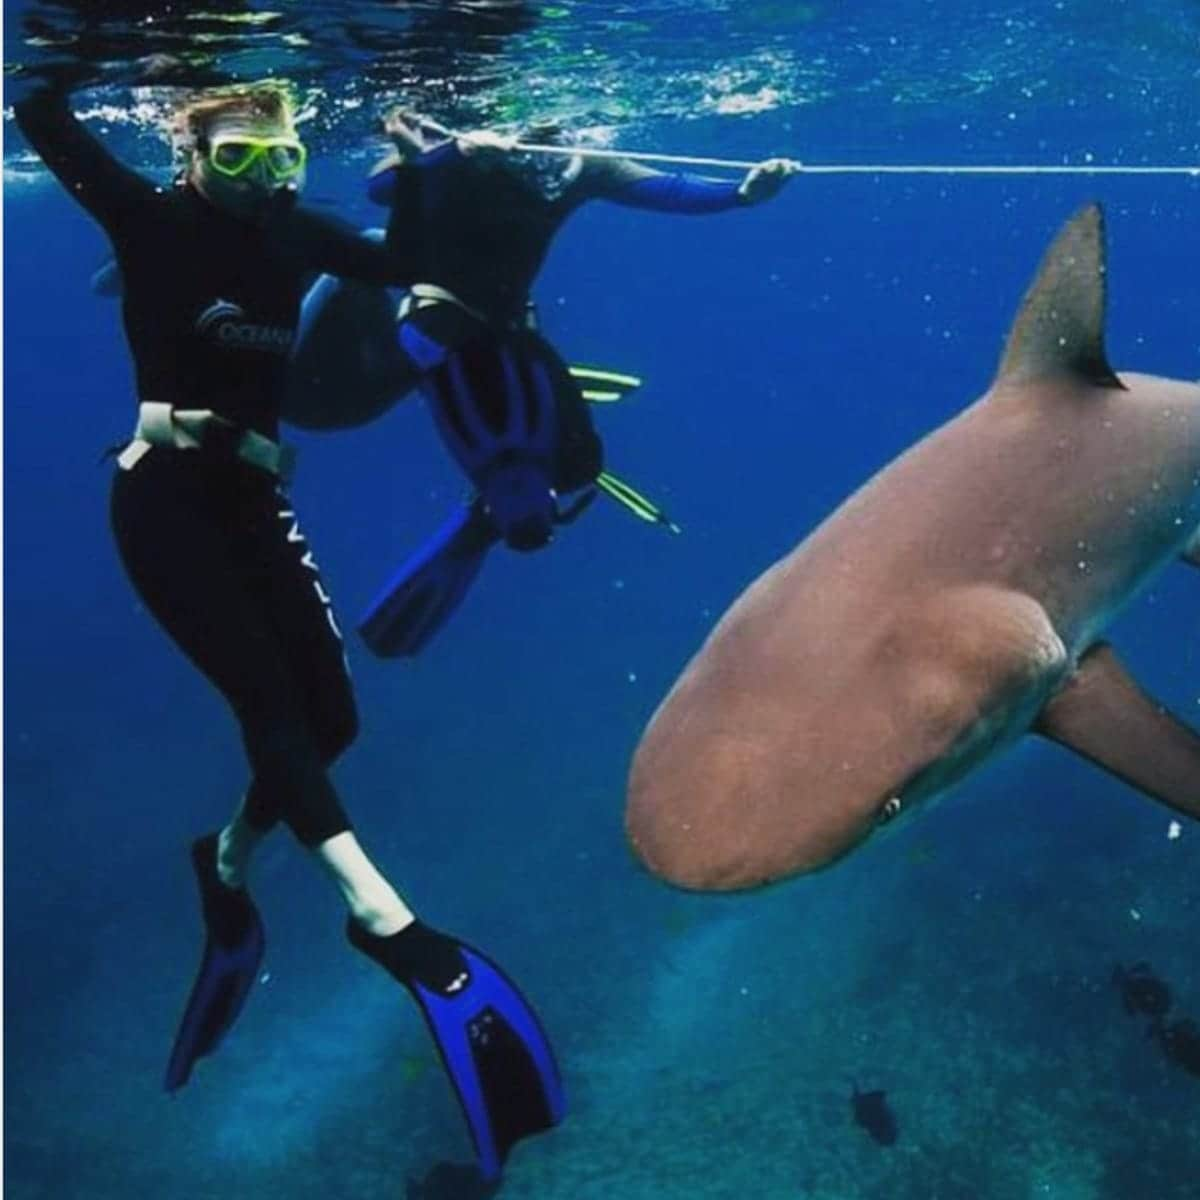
[{"x": 709, "y": 1045}]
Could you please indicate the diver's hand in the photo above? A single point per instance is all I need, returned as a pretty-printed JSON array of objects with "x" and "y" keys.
[
  {"x": 766, "y": 179},
  {"x": 404, "y": 128},
  {"x": 480, "y": 142},
  {"x": 60, "y": 77},
  {"x": 157, "y": 68},
  {"x": 411, "y": 132},
  {"x": 195, "y": 70}
]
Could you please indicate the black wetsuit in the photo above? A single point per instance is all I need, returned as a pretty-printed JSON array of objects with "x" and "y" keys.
[
  {"x": 211, "y": 543},
  {"x": 484, "y": 226}
]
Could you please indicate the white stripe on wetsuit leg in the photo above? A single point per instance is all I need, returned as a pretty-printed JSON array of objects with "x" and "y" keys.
[{"x": 295, "y": 536}]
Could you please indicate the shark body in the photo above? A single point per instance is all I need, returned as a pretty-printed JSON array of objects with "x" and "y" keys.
[{"x": 954, "y": 603}]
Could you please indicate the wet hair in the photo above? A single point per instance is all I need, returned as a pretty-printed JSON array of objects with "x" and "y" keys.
[{"x": 192, "y": 121}]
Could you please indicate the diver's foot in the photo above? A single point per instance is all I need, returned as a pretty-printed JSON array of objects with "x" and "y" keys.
[
  {"x": 236, "y": 845},
  {"x": 228, "y": 911},
  {"x": 415, "y": 954},
  {"x": 382, "y": 922},
  {"x": 232, "y": 862}
]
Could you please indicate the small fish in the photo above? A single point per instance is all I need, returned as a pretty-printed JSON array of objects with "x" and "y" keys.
[
  {"x": 1142, "y": 991},
  {"x": 1181, "y": 1044},
  {"x": 451, "y": 1181},
  {"x": 871, "y": 1111}
]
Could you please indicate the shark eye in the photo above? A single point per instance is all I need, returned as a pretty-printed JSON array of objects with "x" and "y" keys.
[{"x": 890, "y": 809}]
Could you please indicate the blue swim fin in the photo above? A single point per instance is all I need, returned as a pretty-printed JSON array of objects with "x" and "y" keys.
[
  {"x": 494, "y": 406},
  {"x": 427, "y": 587},
  {"x": 233, "y": 952},
  {"x": 490, "y": 1040}
]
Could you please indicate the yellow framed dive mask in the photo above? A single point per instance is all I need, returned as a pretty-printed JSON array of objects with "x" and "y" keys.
[{"x": 232, "y": 155}]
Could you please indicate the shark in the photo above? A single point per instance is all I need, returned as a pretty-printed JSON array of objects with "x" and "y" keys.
[{"x": 952, "y": 605}]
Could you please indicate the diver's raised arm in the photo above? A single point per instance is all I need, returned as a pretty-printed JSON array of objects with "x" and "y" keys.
[{"x": 100, "y": 182}]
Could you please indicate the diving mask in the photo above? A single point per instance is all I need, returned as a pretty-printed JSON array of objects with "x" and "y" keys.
[{"x": 233, "y": 155}]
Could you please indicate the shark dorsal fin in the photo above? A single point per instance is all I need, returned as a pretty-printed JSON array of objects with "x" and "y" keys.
[{"x": 1060, "y": 328}]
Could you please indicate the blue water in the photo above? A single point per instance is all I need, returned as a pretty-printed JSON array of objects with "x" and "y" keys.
[{"x": 708, "y": 1045}]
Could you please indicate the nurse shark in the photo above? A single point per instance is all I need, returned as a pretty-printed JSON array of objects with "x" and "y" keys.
[{"x": 954, "y": 603}]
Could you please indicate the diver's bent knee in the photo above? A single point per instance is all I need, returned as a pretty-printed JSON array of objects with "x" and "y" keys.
[{"x": 339, "y": 734}]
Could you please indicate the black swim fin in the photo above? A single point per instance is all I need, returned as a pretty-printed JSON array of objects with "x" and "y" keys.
[
  {"x": 489, "y": 1038},
  {"x": 233, "y": 952}
]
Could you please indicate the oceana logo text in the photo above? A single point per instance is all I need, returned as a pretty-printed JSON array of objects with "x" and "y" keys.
[{"x": 224, "y": 322}]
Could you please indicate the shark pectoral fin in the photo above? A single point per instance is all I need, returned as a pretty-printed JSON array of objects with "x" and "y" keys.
[
  {"x": 1191, "y": 552},
  {"x": 1102, "y": 714},
  {"x": 1060, "y": 328}
]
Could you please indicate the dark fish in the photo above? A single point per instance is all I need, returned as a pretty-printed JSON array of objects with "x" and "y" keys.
[
  {"x": 1181, "y": 1043},
  {"x": 1142, "y": 991},
  {"x": 871, "y": 1111},
  {"x": 451, "y": 1181}
]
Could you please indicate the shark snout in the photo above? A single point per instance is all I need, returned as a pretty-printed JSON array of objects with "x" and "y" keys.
[{"x": 707, "y": 856}]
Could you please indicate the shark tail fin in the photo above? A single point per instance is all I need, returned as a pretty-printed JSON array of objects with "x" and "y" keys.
[
  {"x": 1102, "y": 714},
  {"x": 1060, "y": 327}
]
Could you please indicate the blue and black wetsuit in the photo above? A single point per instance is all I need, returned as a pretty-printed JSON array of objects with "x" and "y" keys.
[
  {"x": 479, "y": 227},
  {"x": 485, "y": 228},
  {"x": 211, "y": 543}
]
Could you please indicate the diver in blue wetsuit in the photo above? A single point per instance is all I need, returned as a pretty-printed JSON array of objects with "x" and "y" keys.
[
  {"x": 471, "y": 219},
  {"x": 213, "y": 271}
]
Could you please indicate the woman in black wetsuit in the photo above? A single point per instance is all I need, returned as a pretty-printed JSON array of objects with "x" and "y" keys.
[{"x": 213, "y": 273}]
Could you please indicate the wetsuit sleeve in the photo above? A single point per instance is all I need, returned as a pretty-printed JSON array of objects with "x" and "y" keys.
[
  {"x": 108, "y": 189},
  {"x": 407, "y": 187},
  {"x": 636, "y": 186},
  {"x": 393, "y": 184},
  {"x": 382, "y": 186},
  {"x": 398, "y": 187},
  {"x": 335, "y": 249},
  {"x": 398, "y": 184}
]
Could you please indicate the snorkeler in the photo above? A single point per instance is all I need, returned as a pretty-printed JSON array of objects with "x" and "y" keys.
[
  {"x": 471, "y": 219},
  {"x": 212, "y": 274}
]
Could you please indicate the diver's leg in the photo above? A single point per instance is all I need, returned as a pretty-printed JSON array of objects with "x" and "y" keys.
[
  {"x": 373, "y": 902},
  {"x": 493, "y": 1047},
  {"x": 173, "y": 515},
  {"x": 171, "y": 526},
  {"x": 236, "y": 844},
  {"x": 298, "y": 610},
  {"x": 248, "y": 608},
  {"x": 189, "y": 533}
]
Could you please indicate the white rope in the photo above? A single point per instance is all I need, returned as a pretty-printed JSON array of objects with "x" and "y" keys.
[{"x": 862, "y": 168}]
